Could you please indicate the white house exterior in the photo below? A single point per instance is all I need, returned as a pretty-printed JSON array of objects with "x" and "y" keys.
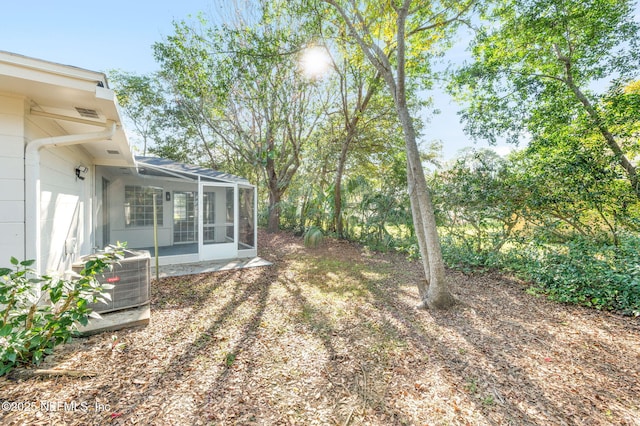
[{"x": 66, "y": 166}]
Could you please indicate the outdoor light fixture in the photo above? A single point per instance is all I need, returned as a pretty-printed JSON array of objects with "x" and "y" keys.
[
  {"x": 168, "y": 196},
  {"x": 81, "y": 172}
]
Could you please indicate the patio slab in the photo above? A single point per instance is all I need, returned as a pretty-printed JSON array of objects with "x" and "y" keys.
[{"x": 180, "y": 269}]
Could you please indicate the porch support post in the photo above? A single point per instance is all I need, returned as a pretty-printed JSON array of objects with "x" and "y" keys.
[
  {"x": 236, "y": 218},
  {"x": 200, "y": 217},
  {"x": 255, "y": 218}
]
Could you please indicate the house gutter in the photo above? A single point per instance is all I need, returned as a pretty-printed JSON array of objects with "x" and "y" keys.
[{"x": 32, "y": 182}]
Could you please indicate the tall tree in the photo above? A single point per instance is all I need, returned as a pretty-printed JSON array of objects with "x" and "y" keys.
[
  {"x": 538, "y": 64},
  {"x": 392, "y": 35},
  {"x": 358, "y": 85},
  {"x": 241, "y": 88},
  {"x": 351, "y": 115},
  {"x": 141, "y": 98}
]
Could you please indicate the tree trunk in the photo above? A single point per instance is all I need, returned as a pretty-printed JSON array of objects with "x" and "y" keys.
[
  {"x": 337, "y": 191},
  {"x": 273, "y": 224},
  {"x": 351, "y": 125},
  {"x": 437, "y": 292},
  {"x": 424, "y": 222},
  {"x": 629, "y": 168},
  {"x": 418, "y": 229}
]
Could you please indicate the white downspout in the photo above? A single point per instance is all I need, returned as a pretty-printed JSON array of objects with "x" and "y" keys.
[{"x": 32, "y": 183}]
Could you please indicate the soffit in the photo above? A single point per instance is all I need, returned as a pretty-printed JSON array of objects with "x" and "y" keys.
[{"x": 67, "y": 93}]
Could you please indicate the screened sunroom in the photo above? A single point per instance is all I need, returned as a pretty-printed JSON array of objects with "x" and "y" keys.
[{"x": 201, "y": 214}]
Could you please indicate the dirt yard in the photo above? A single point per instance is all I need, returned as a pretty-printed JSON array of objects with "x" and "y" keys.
[{"x": 330, "y": 336}]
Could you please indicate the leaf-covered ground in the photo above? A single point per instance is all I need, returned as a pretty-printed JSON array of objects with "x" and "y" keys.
[{"x": 330, "y": 336}]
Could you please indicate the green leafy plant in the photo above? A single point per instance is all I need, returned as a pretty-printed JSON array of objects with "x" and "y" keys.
[
  {"x": 229, "y": 359},
  {"x": 40, "y": 312},
  {"x": 601, "y": 276},
  {"x": 313, "y": 237}
]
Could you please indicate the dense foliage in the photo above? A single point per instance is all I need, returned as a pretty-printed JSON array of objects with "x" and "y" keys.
[
  {"x": 511, "y": 214},
  {"x": 563, "y": 211},
  {"x": 328, "y": 152}
]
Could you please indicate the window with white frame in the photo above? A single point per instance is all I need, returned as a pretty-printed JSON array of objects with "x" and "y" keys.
[{"x": 138, "y": 205}]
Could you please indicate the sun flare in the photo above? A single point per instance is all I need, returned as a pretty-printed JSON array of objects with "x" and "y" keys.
[{"x": 315, "y": 62}]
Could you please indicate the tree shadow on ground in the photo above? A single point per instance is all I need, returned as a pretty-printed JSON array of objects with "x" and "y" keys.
[
  {"x": 331, "y": 337},
  {"x": 496, "y": 356},
  {"x": 501, "y": 352},
  {"x": 181, "y": 363},
  {"x": 472, "y": 369},
  {"x": 346, "y": 370}
]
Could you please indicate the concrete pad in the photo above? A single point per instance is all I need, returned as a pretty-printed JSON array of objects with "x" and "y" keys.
[
  {"x": 118, "y": 320},
  {"x": 180, "y": 269}
]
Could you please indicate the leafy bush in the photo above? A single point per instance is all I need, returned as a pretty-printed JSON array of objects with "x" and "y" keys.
[
  {"x": 459, "y": 254},
  {"x": 313, "y": 237},
  {"x": 596, "y": 275},
  {"x": 409, "y": 246},
  {"x": 581, "y": 271},
  {"x": 39, "y": 312}
]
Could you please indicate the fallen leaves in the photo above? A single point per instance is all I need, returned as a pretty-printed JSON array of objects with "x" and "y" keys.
[{"x": 330, "y": 336}]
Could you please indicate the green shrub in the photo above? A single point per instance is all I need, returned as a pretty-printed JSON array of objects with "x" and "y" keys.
[
  {"x": 313, "y": 237},
  {"x": 597, "y": 275},
  {"x": 581, "y": 271},
  {"x": 39, "y": 312},
  {"x": 407, "y": 245},
  {"x": 460, "y": 255}
]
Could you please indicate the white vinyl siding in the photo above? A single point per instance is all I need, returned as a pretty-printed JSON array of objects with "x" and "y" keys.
[
  {"x": 12, "y": 140},
  {"x": 65, "y": 208}
]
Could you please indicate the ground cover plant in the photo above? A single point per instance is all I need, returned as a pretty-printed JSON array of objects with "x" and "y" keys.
[
  {"x": 329, "y": 335},
  {"x": 580, "y": 271}
]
